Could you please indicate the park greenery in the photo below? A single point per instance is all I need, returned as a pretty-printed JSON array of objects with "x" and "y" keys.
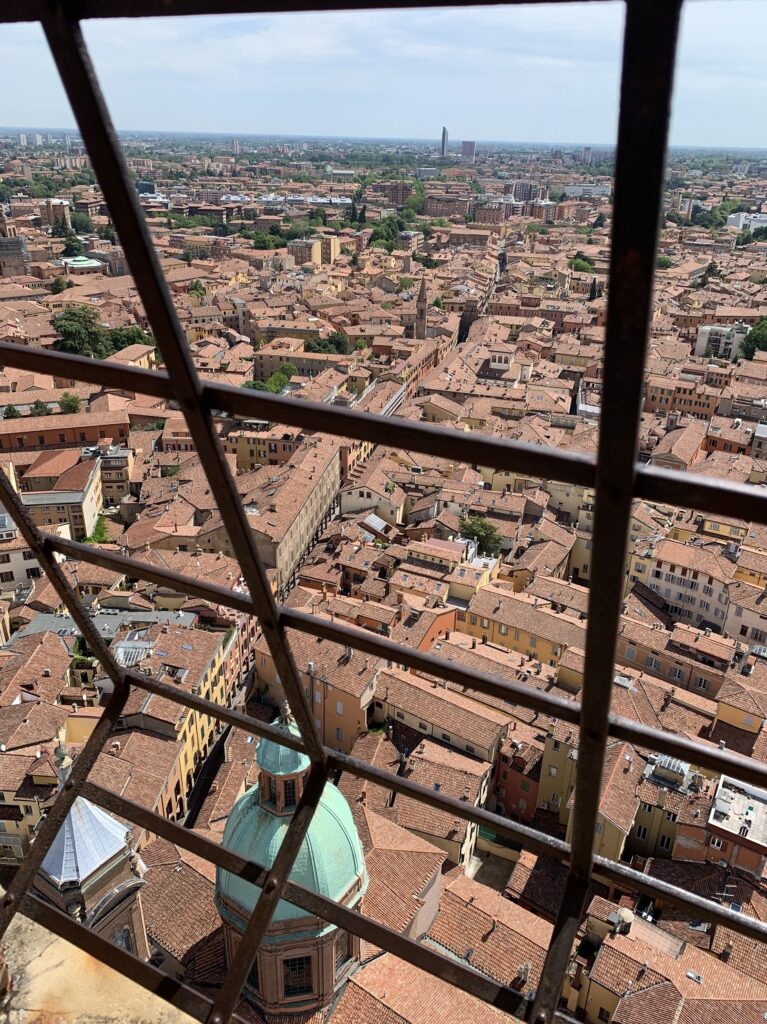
[
  {"x": 80, "y": 333},
  {"x": 335, "y": 342},
  {"x": 581, "y": 263}
]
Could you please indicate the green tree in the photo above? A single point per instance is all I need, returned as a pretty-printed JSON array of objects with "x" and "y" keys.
[
  {"x": 581, "y": 266},
  {"x": 73, "y": 246},
  {"x": 60, "y": 229},
  {"x": 70, "y": 403},
  {"x": 81, "y": 223},
  {"x": 197, "y": 288},
  {"x": 108, "y": 233},
  {"x": 120, "y": 337},
  {"x": 361, "y": 344},
  {"x": 437, "y": 302},
  {"x": 60, "y": 284},
  {"x": 599, "y": 221},
  {"x": 593, "y": 291},
  {"x": 363, "y": 217},
  {"x": 484, "y": 532},
  {"x": 755, "y": 340},
  {"x": 11, "y": 413},
  {"x": 255, "y": 385},
  {"x": 80, "y": 333},
  {"x": 38, "y": 408},
  {"x": 355, "y": 260},
  {"x": 404, "y": 284},
  {"x": 663, "y": 262},
  {"x": 353, "y": 212}
]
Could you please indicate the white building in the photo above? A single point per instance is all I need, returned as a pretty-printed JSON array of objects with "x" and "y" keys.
[
  {"x": 748, "y": 221},
  {"x": 721, "y": 341}
]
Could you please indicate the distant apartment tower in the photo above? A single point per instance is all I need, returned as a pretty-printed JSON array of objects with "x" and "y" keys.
[
  {"x": 21, "y": 138},
  {"x": 397, "y": 192},
  {"x": 586, "y": 155},
  {"x": 306, "y": 250},
  {"x": 68, "y": 142},
  {"x": 468, "y": 152},
  {"x": 38, "y": 139},
  {"x": 146, "y": 187},
  {"x": 236, "y": 147},
  {"x": 443, "y": 150}
]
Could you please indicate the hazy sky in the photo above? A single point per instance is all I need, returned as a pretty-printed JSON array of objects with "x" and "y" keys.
[{"x": 543, "y": 73}]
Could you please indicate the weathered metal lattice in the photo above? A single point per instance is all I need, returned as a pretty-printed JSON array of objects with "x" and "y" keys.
[{"x": 647, "y": 77}]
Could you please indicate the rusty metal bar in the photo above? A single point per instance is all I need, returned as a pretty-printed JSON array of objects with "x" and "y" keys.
[
  {"x": 470, "y": 447},
  {"x": 144, "y": 974},
  {"x": 75, "y": 68},
  {"x": 646, "y": 84},
  {"x": 36, "y": 10},
  {"x": 335, "y": 913},
  {"x": 271, "y": 894},
  {"x": 652, "y": 483}
]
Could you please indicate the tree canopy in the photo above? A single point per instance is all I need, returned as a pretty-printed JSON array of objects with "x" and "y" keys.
[
  {"x": 70, "y": 403},
  {"x": 755, "y": 340},
  {"x": 484, "y": 532},
  {"x": 81, "y": 334},
  {"x": 60, "y": 284}
]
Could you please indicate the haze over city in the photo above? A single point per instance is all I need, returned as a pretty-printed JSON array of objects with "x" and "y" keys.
[{"x": 534, "y": 73}]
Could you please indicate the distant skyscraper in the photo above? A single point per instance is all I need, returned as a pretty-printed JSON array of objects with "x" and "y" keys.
[
  {"x": 586, "y": 155},
  {"x": 22, "y": 139},
  {"x": 468, "y": 152},
  {"x": 443, "y": 150},
  {"x": 68, "y": 142},
  {"x": 236, "y": 147}
]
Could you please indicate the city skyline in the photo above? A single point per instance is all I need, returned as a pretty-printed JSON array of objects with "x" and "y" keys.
[{"x": 292, "y": 74}]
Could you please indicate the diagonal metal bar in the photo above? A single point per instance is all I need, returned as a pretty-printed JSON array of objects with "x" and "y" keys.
[
  {"x": 22, "y": 881},
  {"x": 335, "y": 913},
  {"x": 25, "y": 874},
  {"x": 76, "y": 70},
  {"x": 645, "y": 103},
  {"x": 144, "y": 974},
  {"x": 270, "y": 896}
]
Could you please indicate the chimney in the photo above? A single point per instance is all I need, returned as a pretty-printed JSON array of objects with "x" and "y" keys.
[
  {"x": 726, "y": 952},
  {"x": 473, "y": 643}
]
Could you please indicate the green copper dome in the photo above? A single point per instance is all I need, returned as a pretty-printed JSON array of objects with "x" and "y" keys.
[
  {"x": 279, "y": 760},
  {"x": 329, "y": 862}
]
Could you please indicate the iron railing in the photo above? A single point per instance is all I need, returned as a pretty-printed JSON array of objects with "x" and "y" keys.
[{"x": 647, "y": 75}]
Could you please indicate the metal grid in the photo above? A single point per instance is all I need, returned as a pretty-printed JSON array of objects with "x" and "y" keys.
[{"x": 647, "y": 76}]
